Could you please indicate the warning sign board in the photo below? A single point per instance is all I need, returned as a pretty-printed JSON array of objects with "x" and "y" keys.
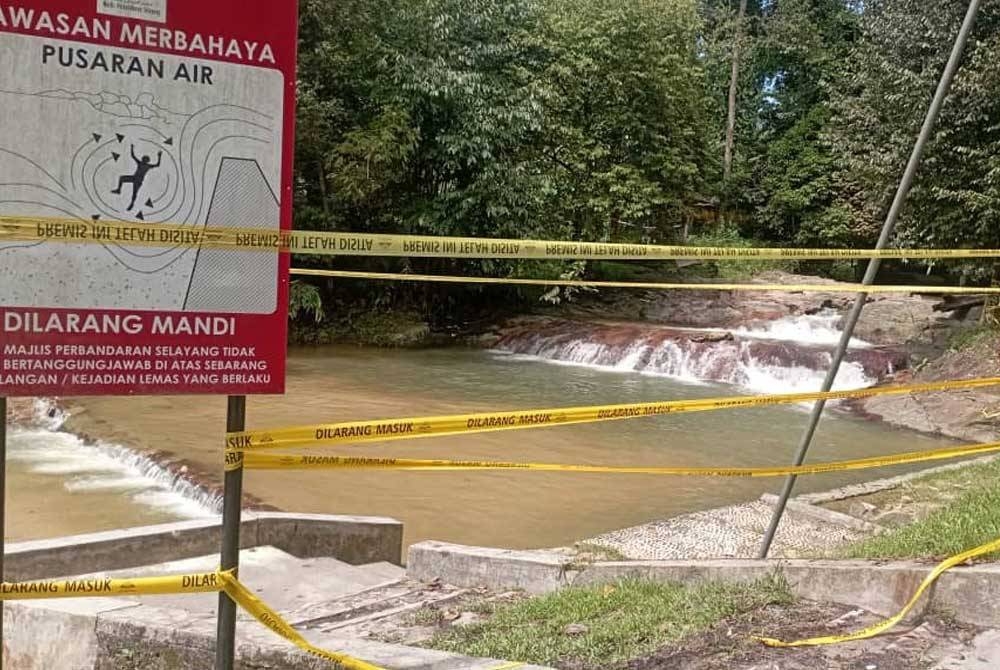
[{"x": 147, "y": 112}]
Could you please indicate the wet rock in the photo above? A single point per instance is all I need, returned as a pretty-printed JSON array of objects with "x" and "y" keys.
[
  {"x": 713, "y": 337},
  {"x": 722, "y": 357},
  {"x": 898, "y": 319}
]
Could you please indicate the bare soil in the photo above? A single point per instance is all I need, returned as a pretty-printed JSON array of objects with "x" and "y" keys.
[{"x": 729, "y": 644}]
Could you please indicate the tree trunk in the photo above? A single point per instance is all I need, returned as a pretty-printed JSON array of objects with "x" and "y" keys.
[
  {"x": 322, "y": 187},
  {"x": 727, "y": 164}
]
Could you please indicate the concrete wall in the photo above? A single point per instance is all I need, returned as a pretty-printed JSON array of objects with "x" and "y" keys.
[
  {"x": 971, "y": 594},
  {"x": 352, "y": 539}
]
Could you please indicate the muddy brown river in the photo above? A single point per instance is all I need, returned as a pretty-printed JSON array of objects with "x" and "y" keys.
[{"x": 512, "y": 509}]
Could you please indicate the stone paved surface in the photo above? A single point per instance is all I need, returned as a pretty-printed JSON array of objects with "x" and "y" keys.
[
  {"x": 727, "y": 532},
  {"x": 736, "y": 531}
]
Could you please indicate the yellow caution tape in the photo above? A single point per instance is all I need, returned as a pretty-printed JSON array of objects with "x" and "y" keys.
[
  {"x": 255, "y": 461},
  {"x": 667, "y": 286},
  {"x": 882, "y": 626},
  {"x": 353, "y": 432},
  {"x": 203, "y": 582},
  {"x": 272, "y": 620},
  {"x": 49, "y": 229},
  {"x": 234, "y": 460}
]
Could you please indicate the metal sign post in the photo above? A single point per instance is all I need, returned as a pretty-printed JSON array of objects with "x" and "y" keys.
[
  {"x": 232, "y": 507},
  {"x": 873, "y": 265}
]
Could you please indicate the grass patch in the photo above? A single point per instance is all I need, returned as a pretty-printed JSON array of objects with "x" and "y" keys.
[
  {"x": 425, "y": 616},
  {"x": 970, "y": 337},
  {"x": 969, "y": 520},
  {"x": 621, "y": 621}
]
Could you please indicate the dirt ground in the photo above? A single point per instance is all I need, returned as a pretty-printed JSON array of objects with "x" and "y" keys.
[
  {"x": 729, "y": 646},
  {"x": 930, "y": 643}
]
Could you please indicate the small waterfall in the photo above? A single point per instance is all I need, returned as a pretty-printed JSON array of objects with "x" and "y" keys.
[
  {"x": 45, "y": 449},
  {"x": 786, "y": 356},
  {"x": 820, "y": 328}
]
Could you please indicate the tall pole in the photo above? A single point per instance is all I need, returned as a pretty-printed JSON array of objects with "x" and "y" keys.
[
  {"x": 3, "y": 505},
  {"x": 232, "y": 507},
  {"x": 873, "y": 265}
]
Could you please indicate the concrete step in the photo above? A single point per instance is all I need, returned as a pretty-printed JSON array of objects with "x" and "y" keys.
[
  {"x": 383, "y": 572},
  {"x": 354, "y": 614},
  {"x": 367, "y": 575},
  {"x": 283, "y": 581}
]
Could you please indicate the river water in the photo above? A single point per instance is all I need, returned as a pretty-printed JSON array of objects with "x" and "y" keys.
[
  {"x": 59, "y": 484},
  {"x": 513, "y": 509}
]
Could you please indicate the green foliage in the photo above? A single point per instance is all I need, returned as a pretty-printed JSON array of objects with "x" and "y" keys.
[
  {"x": 729, "y": 236},
  {"x": 622, "y": 621},
  {"x": 789, "y": 179},
  {"x": 603, "y": 120},
  {"x": 880, "y": 104},
  {"x": 552, "y": 119},
  {"x": 625, "y": 137},
  {"x": 970, "y": 337},
  {"x": 376, "y": 328},
  {"x": 305, "y": 300},
  {"x": 388, "y": 329}
]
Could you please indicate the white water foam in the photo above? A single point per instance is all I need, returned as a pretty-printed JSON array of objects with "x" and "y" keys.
[
  {"x": 773, "y": 379},
  {"x": 46, "y": 450},
  {"x": 727, "y": 361},
  {"x": 818, "y": 328}
]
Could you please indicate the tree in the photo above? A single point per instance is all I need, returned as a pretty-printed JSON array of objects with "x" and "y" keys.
[
  {"x": 879, "y": 107},
  {"x": 793, "y": 184},
  {"x": 627, "y": 135}
]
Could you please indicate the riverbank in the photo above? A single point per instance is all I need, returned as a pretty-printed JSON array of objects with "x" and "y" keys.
[{"x": 538, "y": 510}]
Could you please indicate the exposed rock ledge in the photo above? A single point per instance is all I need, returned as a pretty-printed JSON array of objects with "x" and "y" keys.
[{"x": 887, "y": 319}]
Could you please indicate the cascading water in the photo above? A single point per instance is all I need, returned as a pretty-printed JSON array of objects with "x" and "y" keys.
[
  {"x": 46, "y": 450},
  {"x": 820, "y": 328},
  {"x": 785, "y": 356}
]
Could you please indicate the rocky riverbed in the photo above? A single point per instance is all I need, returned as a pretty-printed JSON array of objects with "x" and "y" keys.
[{"x": 888, "y": 319}]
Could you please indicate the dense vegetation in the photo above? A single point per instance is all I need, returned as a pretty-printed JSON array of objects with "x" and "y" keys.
[{"x": 606, "y": 120}]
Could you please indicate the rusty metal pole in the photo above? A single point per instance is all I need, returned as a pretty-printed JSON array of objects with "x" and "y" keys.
[{"x": 232, "y": 508}]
